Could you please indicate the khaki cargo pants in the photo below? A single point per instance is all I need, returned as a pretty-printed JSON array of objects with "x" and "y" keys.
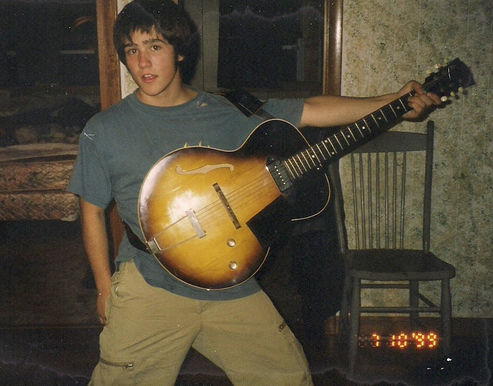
[{"x": 149, "y": 332}]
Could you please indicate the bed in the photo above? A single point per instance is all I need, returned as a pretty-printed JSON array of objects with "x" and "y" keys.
[{"x": 39, "y": 133}]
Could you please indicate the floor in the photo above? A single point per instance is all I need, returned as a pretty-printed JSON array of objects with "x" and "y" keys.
[
  {"x": 41, "y": 344},
  {"x": 66, "y": 356}
]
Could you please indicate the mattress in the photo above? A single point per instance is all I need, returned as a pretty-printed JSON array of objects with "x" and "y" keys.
[{"x": 33, "y": 179}]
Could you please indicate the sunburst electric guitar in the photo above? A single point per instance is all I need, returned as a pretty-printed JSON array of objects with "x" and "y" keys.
[{"x": 209, "y": 216}]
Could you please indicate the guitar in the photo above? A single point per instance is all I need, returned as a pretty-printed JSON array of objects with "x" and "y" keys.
[{"x": 209, "y": 216}]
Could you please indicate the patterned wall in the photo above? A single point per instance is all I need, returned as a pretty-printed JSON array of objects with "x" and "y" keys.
[{"x": 387, "y": 43}]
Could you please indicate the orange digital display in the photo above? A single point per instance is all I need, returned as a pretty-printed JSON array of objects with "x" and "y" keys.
[{"x": 401, "y": 341}]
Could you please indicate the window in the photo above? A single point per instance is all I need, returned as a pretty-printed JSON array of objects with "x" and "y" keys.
[
  {"x": 274, "y": 45},
  {"x": 265, "y": 46},
  {"x": 48, "y": 43}
]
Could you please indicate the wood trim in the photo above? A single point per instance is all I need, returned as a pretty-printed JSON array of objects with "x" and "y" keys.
[
  {"x": 332, "y": 71},
  {"x": 109, "y": 67},
  {"x": 110, "y": 90}
]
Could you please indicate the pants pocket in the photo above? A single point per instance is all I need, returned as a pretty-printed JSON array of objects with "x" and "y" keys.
[
  {"x": 110, "y": 372},
  {"x": 121, "y": 365}
]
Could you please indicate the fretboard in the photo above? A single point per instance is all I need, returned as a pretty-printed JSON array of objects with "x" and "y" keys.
[{"x": 345, "y": 140}]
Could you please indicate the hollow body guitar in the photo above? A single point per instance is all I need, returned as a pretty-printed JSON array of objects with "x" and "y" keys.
[{"x": 209, "y": 216}]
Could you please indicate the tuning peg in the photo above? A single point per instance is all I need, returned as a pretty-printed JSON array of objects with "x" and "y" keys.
[
  {"x": 444, "y": 98},
  {"x": 461, "y": 89},
  {"x": 438, "y": 66},
  {"x": 452, "y": 94}
]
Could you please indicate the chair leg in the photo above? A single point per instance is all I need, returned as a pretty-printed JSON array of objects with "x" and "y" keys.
[
  {"x": 355, "y": 321},
  {"x": 414, "y": 302},
  {"x": 446, "y": 310},
  {"x": 343, "y": 333}
]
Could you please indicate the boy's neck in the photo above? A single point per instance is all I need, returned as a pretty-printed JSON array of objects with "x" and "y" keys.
[{"x": 179, "y": 96}]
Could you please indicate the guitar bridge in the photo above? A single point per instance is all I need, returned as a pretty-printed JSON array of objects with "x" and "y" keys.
[{"x": 195, "y": 223}]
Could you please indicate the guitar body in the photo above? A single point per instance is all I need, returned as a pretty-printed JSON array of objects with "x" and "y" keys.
[{"x": 209, "y": 216}]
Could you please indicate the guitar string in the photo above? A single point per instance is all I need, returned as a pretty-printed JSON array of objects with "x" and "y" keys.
[
  {"x": 207, "y": 215},
  {"x": 237, "y": 199},
  {"x": 302, "y": 163}
]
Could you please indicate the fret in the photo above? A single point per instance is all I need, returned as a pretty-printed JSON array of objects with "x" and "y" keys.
[
  {"x": 320, "y": 152},
  {"x": 375, "y": 120},
  {"x": 311, "y": 156},
  {"x": 326, "y": 148},
  {"x": 352, "y": 135},
  {"x": 402, "y": 104},
  {"x": 367, "y": 126},
  {"x": 300, "y": 164},
  {"x": 304, "y": 167},
  {"x": 320, "y": 162},
  {"x": 339, "y": 142},
  {"x": 333, "y": 147},
  {"x": 361, "y": 133},
  {"x": 378, "y": 117},
  {"x": 293, "y": 169},
  {"x": 393, "y": 111},
  {"x": 383, "y": 114},
  {"x": 305, "y": 161},
  {"x": 309, "y": 159},
  {"x": 288, "y": 169},
  {"x": 345, "y": 138}
]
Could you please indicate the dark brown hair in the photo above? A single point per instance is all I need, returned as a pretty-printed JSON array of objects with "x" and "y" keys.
[{"x": 166, "y": 19}]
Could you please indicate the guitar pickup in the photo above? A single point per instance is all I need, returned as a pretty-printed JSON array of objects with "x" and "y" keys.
[
  {"x": 226, "y": 205},
  {"x": 280, "y": 175}
]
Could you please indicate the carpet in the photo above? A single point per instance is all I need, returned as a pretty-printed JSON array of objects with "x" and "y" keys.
[{"x": 43, "y": 275}]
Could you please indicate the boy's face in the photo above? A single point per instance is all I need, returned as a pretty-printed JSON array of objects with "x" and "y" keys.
[{"x": 152, "y": 62}]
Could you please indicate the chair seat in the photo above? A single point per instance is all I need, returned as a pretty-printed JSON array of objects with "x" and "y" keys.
[{"x": 396, "y": 264}]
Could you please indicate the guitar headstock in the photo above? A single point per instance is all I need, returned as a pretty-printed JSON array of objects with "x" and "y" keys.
[{"x": 450, "y": 79}]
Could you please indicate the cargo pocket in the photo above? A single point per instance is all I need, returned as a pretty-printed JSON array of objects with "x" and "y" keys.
[
  {"x": 112, "y": 372},
  {"x": 118, "y": 365}
]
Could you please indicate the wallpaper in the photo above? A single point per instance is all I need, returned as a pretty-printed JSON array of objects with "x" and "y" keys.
[{"x": 385, "y": 44}]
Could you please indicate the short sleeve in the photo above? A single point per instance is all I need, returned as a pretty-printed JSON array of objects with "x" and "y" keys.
[
  {"x": 290, "y": 110},
  {"x": 90, "y": 178}
]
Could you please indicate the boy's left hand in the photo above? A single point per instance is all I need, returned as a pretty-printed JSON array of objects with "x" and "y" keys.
[{"x": 421, "y": 103}]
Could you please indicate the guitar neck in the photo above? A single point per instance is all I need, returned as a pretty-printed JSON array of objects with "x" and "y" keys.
[
  {"x": 445, "y": 82},
  {"x": 345, "y": 140}
]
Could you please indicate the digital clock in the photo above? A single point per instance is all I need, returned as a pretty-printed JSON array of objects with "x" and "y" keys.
[{"x": 417, "y": 340}]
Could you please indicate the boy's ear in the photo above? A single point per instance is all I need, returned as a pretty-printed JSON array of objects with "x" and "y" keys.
[{"x": 180, "y": 58}]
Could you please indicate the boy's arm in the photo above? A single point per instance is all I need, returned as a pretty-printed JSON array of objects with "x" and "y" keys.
[
  {"x": 95, "y": 240},
  {"x": 327, "y": 111}
]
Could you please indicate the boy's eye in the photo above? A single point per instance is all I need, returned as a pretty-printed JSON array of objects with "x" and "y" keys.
[{"x": 131, "y": 51}]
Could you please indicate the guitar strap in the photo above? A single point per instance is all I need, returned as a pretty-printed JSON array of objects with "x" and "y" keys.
[
  {"x": 247, "y": 104},
  {"x": 134, "y": 240}
]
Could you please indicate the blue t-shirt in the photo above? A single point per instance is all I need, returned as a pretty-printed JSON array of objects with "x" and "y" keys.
[{"x": 120, "y": 145}]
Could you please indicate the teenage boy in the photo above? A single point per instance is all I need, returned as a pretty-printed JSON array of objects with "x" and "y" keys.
[{"x": 150, "y": 318}]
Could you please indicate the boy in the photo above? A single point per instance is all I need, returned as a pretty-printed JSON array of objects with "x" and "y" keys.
[{"x": 152, "y": 319}]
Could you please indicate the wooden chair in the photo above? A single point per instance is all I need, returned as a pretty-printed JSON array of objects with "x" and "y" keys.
[{"x": 384, "y": 184}]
